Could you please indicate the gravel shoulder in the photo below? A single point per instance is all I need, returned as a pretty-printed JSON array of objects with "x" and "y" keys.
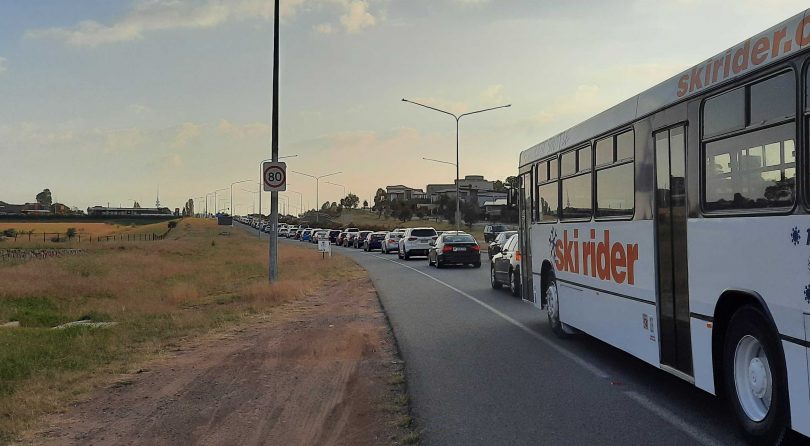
[{"x": 320, "y": 371}]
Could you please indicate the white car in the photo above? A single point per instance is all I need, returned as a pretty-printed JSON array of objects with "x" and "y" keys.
[
  {"x": 416, "y": 241},
  {"x": 391, "y": 241}
]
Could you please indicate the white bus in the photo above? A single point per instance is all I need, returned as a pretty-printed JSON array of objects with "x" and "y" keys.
[{"x": 675, "y": 226}]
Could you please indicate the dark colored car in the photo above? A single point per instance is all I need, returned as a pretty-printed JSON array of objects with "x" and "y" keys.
[
  {"x": 298, "y": 234},
  {"x": 374, "y": 241},
  {"x": 492, "y": 231},
  {"x": 505, "y": 267},
  {"x": 359, "y": 239},
  {"x": 333, "y": 235},
  {"x": 495, "y": 246},
  {"x": 456, "y": 248}
]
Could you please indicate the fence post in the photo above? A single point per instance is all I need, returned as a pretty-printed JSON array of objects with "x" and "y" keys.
[{"x": 43, "y": 236}]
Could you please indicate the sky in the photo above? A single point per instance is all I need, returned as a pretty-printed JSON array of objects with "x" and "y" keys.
[{"x": 105, "y": 101}]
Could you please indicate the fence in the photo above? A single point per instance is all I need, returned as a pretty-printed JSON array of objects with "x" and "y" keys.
[
  {"x": 28, "y": 254},
  {"x": 59, "y": 237}
]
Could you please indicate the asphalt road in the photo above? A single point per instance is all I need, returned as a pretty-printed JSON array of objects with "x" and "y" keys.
[{"x": 483, "y": 368}]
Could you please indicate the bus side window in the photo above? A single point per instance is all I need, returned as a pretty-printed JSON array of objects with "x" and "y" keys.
[{"x": 755, "y": 169}]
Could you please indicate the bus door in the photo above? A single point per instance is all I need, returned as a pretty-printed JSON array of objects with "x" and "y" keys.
[
  {"x": 670, "y": 227},
  {"x": 524, "y": 239}
]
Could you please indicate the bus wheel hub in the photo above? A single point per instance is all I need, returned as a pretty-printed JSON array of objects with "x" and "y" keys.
[{"x": 758, "y": 377}]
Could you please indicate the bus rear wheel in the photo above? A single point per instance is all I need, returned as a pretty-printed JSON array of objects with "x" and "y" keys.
[{"x": 755, "y": 377}]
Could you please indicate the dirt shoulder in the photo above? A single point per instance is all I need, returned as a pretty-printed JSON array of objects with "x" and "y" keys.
[{"x": 320, "y": 371}]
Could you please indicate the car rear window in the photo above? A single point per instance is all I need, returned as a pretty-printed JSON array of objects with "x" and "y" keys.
[
  {"x": 498, "y": 228},
  {"x": 423, "y": 232},
  {"x": 459, "y": 239},
  {"x": 377, "y": 236}
]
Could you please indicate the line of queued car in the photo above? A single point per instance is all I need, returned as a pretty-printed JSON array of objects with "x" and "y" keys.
[{"x": 442, "y": 248}]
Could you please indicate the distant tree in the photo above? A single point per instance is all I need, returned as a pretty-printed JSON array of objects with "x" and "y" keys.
[
  {"x": 136, "y": 205},
  {"x": 404, "y": 213},
  {"x": 380, "y": 202},
  {"x": 70, "y": 233},
  {"x": 44, "y": 198},
  {"x": 351, "y": 201},
  {"x": 325, "y": 206},
  {"x": 498, "y": 186},
  {"x": 172, "y": 224},
  {"x": 513, "y": 182},
  {"x": 470, "y": 213},
  {"x": 365, "y": 204}
]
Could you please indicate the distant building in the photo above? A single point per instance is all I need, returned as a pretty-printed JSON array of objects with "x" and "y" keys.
[
  {"x": 11, "y": 209},
  {"x": 60, "y": 209},
  {"x": 495, "y": 208},
  {"x": 403, "y": 193},
  {"x": 101, "y": 211},
  {"x": 470, "y": 187}
]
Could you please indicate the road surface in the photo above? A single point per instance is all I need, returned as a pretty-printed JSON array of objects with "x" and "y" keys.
[{"x": 483, "y": 368}]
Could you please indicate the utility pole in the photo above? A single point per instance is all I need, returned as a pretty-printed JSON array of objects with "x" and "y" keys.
[{"x": 273, "y": 248}]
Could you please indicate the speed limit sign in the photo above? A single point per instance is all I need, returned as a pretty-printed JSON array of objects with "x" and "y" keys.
[{"x": 274, "y": 176}]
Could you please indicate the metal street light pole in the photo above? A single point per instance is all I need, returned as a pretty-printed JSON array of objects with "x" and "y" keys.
[
  {"x": 215, "y": 199},
  {"x": 317, "y": 188},
  {"x": 300, "y": 197},
  {"x": 253, "y": 201},
  {"x": 232, "y": 207},
  {"x": 197, "y": 204},
  {"x": 457, "y": 118},
  {"x": 338, "y": 185},
  {"x": 273, "y": 245},
  {"x": 206, "y": 202}
]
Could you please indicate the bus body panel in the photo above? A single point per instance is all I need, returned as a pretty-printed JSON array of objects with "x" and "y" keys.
[
  {"x": 606, "y": 279},
  {"x": 755, "y": 254},
  {"x": 798, "y": 386},
  {"x": 702, "y": 364}
]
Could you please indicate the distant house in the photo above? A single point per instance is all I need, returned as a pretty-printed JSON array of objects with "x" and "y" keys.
[
  {"x": 60, "y": 209},
  {"x": 403, "y": 193},
  {"x": 35, "y": 209},
  {"x": 101, "y": 211},
  {"x": 471, "y": 187},
  {"x": 495, "y": 208},
  {"x": 11, "y": 209}
]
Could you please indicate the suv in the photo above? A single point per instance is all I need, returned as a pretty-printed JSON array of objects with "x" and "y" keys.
[
  {"x": 416, "y": 241},
  {"x": 492, "y": 231},
  {"x": 333, "y": 235},
  {"x": 497, "y": 244},
  {"x": 359, "y": 239}
]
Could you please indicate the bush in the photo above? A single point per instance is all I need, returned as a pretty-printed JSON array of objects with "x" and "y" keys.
[
  {"x": 172, "y": 224},
  {"x": 10, "y": 232},
  {"x": 71, "y": 232},
  {"x": 56, "y": 239}
]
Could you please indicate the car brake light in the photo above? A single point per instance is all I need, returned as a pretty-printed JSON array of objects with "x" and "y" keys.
[
  {"x": 517, "y": 256},
  {"x": 447, "y": 248},
  {"x": 434, "y": 238},
  {"x": 411, "y": 238},
  {"x": 475, "y": 248}
]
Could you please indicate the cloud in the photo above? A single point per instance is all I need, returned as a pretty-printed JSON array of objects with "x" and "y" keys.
[
  {"x": 324, "y": 28},
  {"x": 139, "y": 109},
  {"x": 122, "y": 140},
  {"x": 357, "y": 17},
  {"x": 147, "y": 16},
  {"x": 3, "y": 68},
  {"x": 494, "y": 94},
  {"x": 187, "y": 133},
  {"x": 245, "y": 131}
]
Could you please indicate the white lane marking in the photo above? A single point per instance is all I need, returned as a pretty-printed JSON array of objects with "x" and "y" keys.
[
  {"x": 666, "y": 414},
  {"x": 568, "y": 354},
  {"x": 660, "y": 411}
]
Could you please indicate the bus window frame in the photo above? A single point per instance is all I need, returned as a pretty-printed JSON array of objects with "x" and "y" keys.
[
  {"x": 797, "y": 118},
  {"x": 615, "y": 163},
  {"x": 578, "y": 172},
  {"x": 536, "y": 187}
]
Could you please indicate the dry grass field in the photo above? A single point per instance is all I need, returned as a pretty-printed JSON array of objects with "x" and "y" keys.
[
  {"x": 84, "y": 232},
  {"x": 201, "y": 278}
]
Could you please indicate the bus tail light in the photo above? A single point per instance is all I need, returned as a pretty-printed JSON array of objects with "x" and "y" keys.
[{"x": 517, "y": 256}]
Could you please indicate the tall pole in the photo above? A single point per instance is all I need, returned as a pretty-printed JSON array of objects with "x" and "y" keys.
[
  {"x": 457, "y": 118},
  {"x": 273, "y": 248},
  {"x": 232, "y": 207},
  {"x": 317, "y": 187}
]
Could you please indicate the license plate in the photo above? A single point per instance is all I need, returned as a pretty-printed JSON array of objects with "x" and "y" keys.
[
  {"x": 459, "y": 249},
  {"x": 424, "y": 240}
]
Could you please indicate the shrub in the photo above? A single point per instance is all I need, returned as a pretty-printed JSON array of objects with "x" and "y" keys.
[
  {"x": 10, "y": 232},
  {"x": 172, "y": 224},
  {"x": 71, "y": 232}
]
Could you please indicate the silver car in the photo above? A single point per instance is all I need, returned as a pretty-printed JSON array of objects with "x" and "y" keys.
[{"x": 391, "y": 242}]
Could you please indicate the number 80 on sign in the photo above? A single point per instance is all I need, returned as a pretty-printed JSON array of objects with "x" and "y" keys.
[{"x": 274, "y": 176}]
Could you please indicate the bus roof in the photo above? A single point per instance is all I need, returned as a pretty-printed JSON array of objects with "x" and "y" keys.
[{"x": 765, "y": 48}]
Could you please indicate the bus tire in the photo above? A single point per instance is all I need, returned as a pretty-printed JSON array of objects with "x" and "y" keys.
[
  {"x": 553, "y": 307},
  {"x": 755, "y": 377}
]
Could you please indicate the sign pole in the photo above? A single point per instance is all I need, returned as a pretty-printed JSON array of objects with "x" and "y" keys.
[{"x": 273, "y": 248}]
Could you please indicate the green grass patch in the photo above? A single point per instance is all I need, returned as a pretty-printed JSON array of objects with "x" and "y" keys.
[{"x": 32, "y": 312}]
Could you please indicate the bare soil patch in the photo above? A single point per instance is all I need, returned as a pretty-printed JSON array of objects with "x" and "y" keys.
[{"x": 319, "y": 371}]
